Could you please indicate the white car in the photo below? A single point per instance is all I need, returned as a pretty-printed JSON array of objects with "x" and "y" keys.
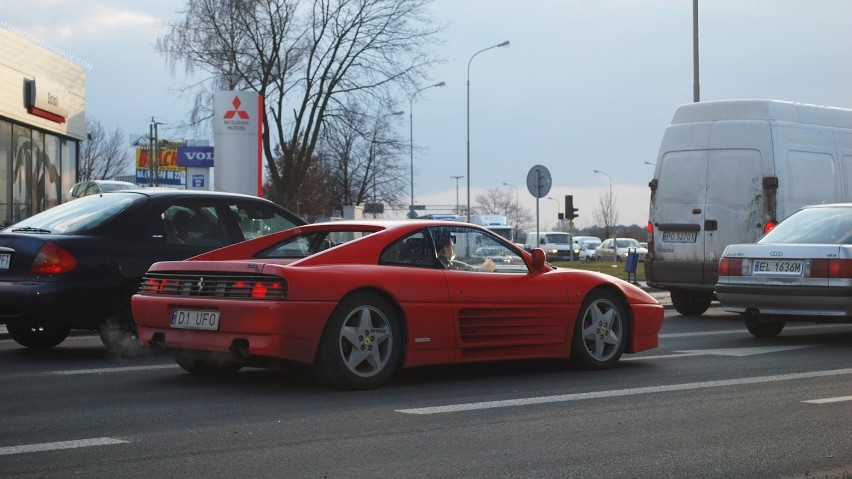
[
  {"x": 799, "y": 271},
  {"x": 92, "y": 187},
  {"x": 618, "y": 248},
  {"x": 587, "y": 251}
]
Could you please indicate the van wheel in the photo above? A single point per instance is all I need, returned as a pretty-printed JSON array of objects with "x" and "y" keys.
[
  {"x": 691, "y": 303},
  {"x": 763, "y": 326}
]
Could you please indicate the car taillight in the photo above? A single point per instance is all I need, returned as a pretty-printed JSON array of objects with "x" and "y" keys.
[
  {"x": 53, "y": 259},
  {"x": 731, "y": 267},
  {"x": 831, "y": 268},
  {"x": 650, "y": 237},
  {"x": 769, "y": 226}
]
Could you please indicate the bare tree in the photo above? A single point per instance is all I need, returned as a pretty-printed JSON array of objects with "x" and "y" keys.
[
  {"x": 606, "y": 213},
  {"x": 103, "y": 155},
  {"x": 308, "y": 59},
  {"x": 500, "y": 201}
]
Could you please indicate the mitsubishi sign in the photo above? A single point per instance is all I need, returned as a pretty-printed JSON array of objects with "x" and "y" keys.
[{"x": 237, "y": 129}]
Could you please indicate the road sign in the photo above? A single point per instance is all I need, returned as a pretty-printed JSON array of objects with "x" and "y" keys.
[{"x": 539, "y": 181}]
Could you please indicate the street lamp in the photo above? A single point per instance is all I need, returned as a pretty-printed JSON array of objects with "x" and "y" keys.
[
  {"x": 558, "y": 208},
  {"x": 457, "y": 191},
  {"x": 649, "y": 163},
  {"x": 411, "y": 213},
  {"x": 504, "y": 44}
]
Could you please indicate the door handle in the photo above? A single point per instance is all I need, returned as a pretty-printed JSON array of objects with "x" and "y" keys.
[
  {"x": 710, "y": 225},
  {"x": 696, "y": 211}
]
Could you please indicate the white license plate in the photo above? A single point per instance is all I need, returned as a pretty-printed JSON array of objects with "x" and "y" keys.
[
  {"x": 777, "y": 267},
  {"x": 5, "y": 259},
  {"x": 207, "y": 319},
  {"x": 680, "y": 236}
]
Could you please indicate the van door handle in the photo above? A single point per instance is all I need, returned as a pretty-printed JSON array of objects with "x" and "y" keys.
[
  {"x": 696, "y": 211},
  {"x": 710, "y": 225}
]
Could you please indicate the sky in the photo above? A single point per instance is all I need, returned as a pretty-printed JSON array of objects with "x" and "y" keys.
[{"x": 585, "y": 84}]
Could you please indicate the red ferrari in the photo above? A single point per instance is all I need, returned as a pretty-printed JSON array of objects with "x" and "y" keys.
[{"x": 360, "y": 300}]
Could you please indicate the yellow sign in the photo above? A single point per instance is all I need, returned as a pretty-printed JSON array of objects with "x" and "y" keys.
[{"x": 168, "y": 160}]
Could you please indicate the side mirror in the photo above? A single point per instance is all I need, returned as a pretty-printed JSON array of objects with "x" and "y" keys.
[{"x": 539, "y": 257}]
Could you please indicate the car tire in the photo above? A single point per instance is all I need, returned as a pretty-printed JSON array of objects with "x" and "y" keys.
[
  {"x": 207, "y": 363},
  {"x": 601, "y": 331},
  {"x": 691, "y": 303},
  {"x": 348, "y": 357},
  {"x": 119, "y": 334},
  {"x": 763, "y": 327},
  {"x": 36, "y": 337},
  {"x": 618, "y": 259}
]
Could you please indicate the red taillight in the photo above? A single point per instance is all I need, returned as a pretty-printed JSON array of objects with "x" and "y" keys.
[
  {"x": 731, "y": 267},
  {"x": 769, "y": 226},
  {"x": 831, "y": 268},
  {"x": 53, "y": 259},
  {"x": 650, "y": 237}
]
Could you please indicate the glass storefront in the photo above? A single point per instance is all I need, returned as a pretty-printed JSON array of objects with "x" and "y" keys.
[{"x": 35, "y": 167}]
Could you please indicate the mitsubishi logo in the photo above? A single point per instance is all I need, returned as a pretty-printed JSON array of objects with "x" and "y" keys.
[
  {"x": 200, "y": 285},
  {"x": 236, "y": 111}
]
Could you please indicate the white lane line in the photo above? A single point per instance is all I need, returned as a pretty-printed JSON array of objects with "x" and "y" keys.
[
  {"x": 55, "y": 446},
  {"x": 829, "y": 400},
  {"x": 745, "y": 331},
  {"x": 113, "y": 370},
  {"x": 621, "y": 392}
]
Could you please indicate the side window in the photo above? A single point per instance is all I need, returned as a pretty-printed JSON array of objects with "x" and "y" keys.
[
  {"x": 257, "y": 219},
  {"x": 413, "y": 250},
  {"x": 194, "y": 223},
  {"x": 462, "y": 248}
]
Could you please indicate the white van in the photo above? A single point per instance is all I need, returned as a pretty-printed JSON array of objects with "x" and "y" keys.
[
  {"x": 727, "y": 172},
  {"x": 557, "y": 244}
]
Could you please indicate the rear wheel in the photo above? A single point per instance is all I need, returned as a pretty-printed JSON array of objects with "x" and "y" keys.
[
  {"x": 360, "y": 347},
  {"x": 600, "y": 333},
  {"x": 207, "y": 363},
  {"x": 763, "y": 326},
  {"x": 691, "y": 303},
  {"x": 36, "y": 337}
]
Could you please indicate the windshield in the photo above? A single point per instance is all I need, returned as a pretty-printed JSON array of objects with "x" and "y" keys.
[
  {"x": 627, "y": 243},
  {"x": 557, "y": 238},
  {"x": 814, "y": 226},
  {"x": 76, "y": 216}
]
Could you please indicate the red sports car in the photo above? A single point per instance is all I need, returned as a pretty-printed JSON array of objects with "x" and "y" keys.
[{"x": 358, "y": 300}]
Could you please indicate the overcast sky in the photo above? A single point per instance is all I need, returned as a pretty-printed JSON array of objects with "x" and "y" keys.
[{"x": 585, "y": 84}]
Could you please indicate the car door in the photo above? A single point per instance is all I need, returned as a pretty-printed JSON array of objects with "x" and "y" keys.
[{"x": 507, "y": 307}]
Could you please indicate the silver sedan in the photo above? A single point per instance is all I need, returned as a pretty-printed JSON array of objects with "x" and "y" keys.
[{"x": 799, "y": 271}]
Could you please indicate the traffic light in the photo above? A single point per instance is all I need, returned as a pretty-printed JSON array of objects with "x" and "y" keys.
[{"x": 570, "y": 211}]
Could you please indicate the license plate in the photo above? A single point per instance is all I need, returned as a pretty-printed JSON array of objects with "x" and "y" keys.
[
  {"x": 206, "y": 319},
  {"x": 5, "y": 259},
  {"x": 777, "y": 267},
  {"x": 680, "y": 236}
]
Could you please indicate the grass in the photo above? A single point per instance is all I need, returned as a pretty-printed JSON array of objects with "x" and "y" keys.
[{"x": 607, "y": 267}]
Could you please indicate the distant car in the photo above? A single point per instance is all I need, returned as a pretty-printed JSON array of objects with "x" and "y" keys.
[
  {"x": 359, "y": 300},
  {"x": 93, "y": 187},
  {"x": 76, "y": 265},
  {"x": 587, "y": 251},
  {"x": 618, "y": 248},
  {"x": 799, "y": 271}
]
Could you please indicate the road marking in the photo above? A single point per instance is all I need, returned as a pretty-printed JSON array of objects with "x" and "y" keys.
[
  {"x": 55, "y": 446},
  {"x": 113, "y": 370},
  {"x": 829, "y": 400},
  {"x": 733, "y": 352},
  {"x": 745, "y": 331},
  {"x": 621, "y": 392}
]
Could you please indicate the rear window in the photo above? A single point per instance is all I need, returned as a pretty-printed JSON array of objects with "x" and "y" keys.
[
  {"x": 78, "y": 216},
  {"x": 814, "y": 226},
  {"x": 307, "y": 244}
]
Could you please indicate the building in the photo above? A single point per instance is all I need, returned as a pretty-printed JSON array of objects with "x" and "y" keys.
[{"x": 42, "y": 122}]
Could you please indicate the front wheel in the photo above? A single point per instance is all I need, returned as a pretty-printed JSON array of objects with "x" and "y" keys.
[
  {"x": 360, "y": 347},
  {"x": 36, "y": 337},
  {"x": 600, "y": 333},
  {"x": 763, "y": 327},
  {"x": 691, "y": 303}
]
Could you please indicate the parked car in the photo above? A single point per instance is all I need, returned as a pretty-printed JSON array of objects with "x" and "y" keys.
[
  {"x": 93, "y": 187},
  {"x": 359, "y": 300},
  {"x": 799, "y": 271},
  {"x": 580, "y": 243},
  {"x": 587, "y": 251},
  {"x": 618, "y": 248},
  {"x": 76, "y": 265}
]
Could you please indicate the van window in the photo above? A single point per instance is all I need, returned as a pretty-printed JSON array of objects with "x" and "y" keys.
[
  {"x": 682, "y": 178},
  {"x": 726, "y": 189},
  {"x": 811, "y": 178},
  {"x": 846, "y": 166}
]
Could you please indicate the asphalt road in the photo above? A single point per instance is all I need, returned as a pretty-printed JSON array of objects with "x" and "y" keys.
[{"x": 711, "y": 401}]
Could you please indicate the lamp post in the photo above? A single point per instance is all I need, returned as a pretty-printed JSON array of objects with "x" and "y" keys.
[
  {"x": 649, "y": 163},
  {"x": 503, "y": 44},
  {"x": 411, "y": 213},
  {"x": 457, "y": 191},
  {"x": 558, "y": 209}
]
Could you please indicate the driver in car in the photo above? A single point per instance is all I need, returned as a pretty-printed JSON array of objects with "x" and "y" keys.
[{"x": 447, "y": 255}]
